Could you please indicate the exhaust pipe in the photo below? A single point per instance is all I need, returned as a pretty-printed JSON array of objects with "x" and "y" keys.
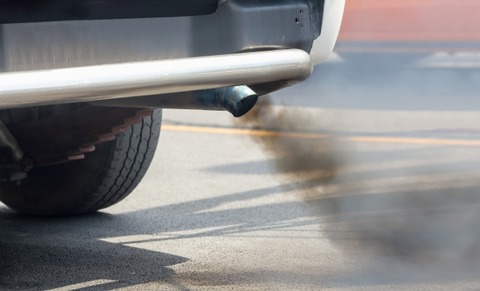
[
  {"x": 110, "y": 82},
  {"x": 237, "y": 100}
]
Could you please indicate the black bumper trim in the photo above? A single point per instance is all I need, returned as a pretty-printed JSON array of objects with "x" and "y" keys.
[{"x": 21, "y": 11}]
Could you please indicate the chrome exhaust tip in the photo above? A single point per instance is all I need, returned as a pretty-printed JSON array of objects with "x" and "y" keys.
[{"x": 237, "y": 100}]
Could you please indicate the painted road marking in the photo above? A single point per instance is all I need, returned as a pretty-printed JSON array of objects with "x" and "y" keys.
[
  {"x": 358, "y": 139},
  {"x": 334, "y": 58},
  {"x": 459, "y": 59}
]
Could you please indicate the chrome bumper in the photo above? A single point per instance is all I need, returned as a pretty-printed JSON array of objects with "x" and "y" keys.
[{"x": 115, "y": 81}]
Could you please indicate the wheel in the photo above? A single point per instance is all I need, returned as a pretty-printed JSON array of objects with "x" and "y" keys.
[{"x": 102, "y": 179}]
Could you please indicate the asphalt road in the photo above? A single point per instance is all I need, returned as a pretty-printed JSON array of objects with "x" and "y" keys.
[{"x": 363, "y": 189}]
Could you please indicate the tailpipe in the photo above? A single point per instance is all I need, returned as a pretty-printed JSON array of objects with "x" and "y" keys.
[{"x": 237, "y": 100}]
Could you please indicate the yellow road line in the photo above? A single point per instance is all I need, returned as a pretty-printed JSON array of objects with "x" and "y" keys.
[
  {"x": 360, "y": 139},
  {"x": 240, "y": 131}
]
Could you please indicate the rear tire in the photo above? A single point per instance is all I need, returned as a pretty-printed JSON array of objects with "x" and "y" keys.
[{"x": 103, "y": 178}]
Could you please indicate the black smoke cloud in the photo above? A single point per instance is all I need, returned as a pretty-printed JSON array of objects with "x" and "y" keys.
[{"x": 420, "y": 222}]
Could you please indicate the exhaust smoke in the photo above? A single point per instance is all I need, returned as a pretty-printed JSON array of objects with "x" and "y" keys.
[
  {"x": 313, "y": 158},
  {"x": 417, "y": 222}
]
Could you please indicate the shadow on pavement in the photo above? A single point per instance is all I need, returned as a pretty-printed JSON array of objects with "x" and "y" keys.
[{"x": 40, "y": 254}]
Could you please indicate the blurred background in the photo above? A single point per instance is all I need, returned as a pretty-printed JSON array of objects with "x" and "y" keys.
[{"x": 402, "y": 54}]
